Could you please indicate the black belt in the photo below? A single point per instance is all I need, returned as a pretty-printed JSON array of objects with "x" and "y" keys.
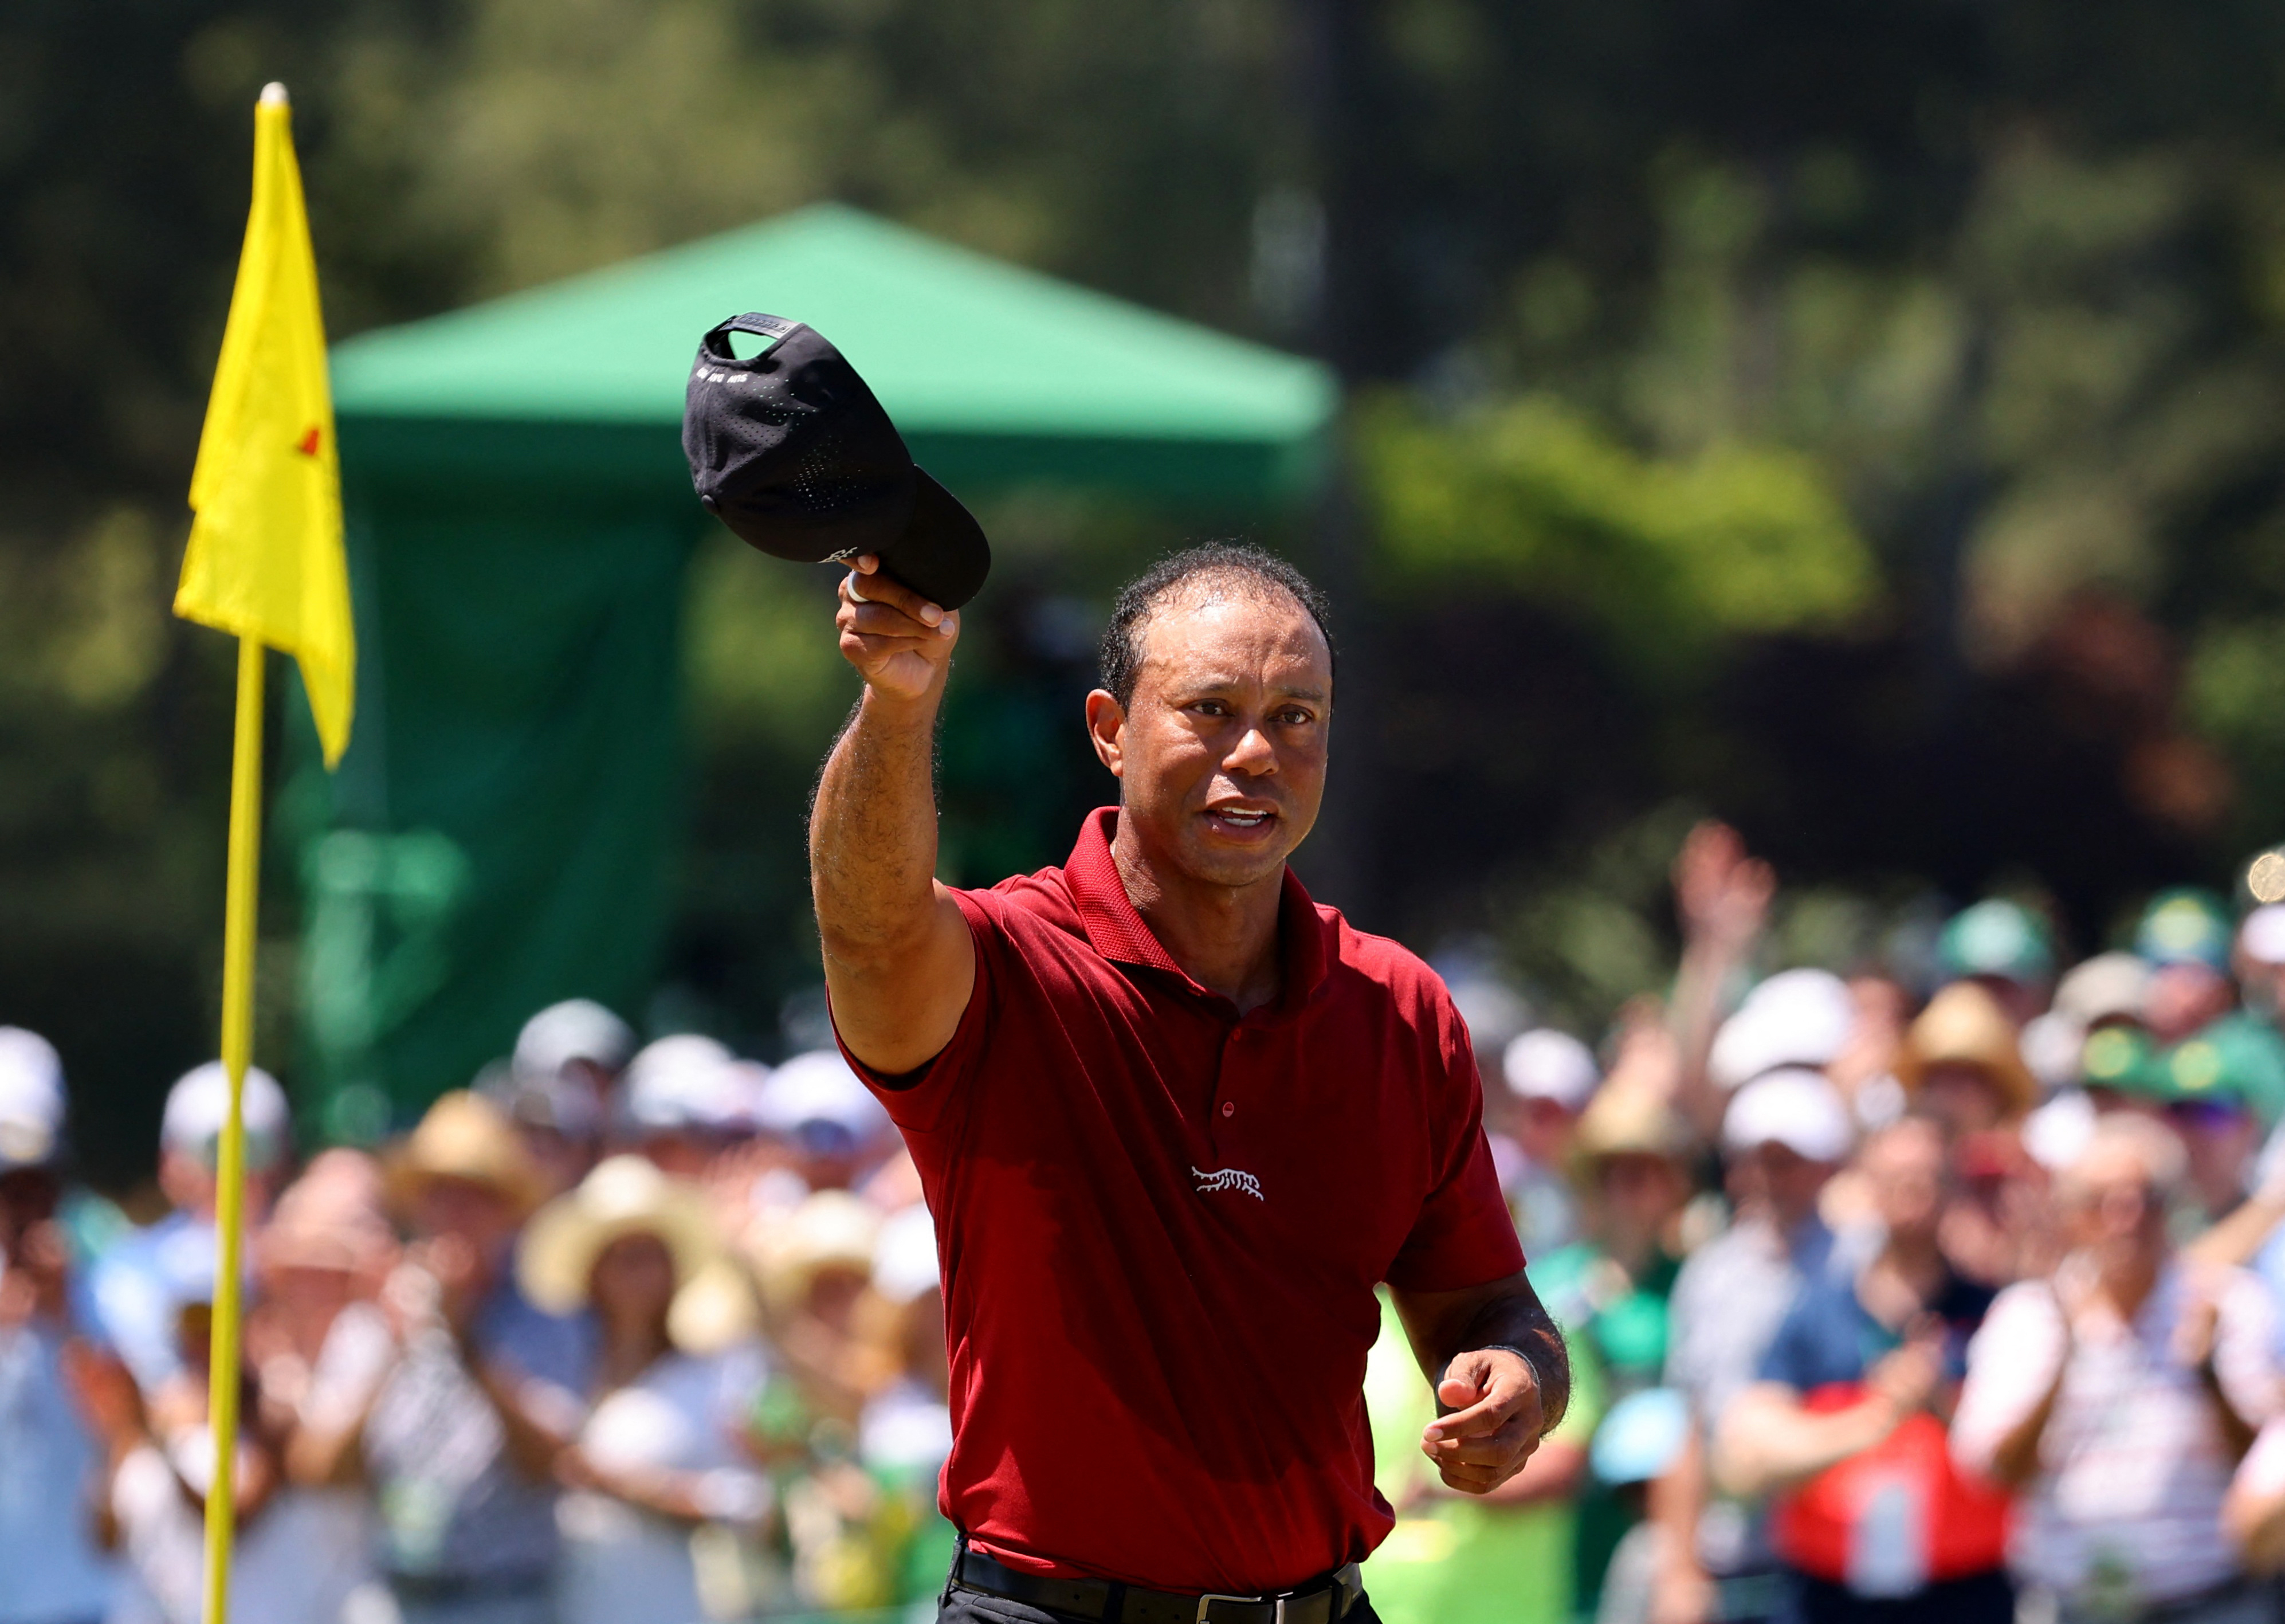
[{"x": 1321, "y": 1601}]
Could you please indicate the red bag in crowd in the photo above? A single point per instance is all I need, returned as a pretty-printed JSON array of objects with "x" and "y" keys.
[{"x": 1894, "y": 1518}]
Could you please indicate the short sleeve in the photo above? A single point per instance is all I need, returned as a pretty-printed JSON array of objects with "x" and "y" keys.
[
  {"x": 1464, "y": 1235},
  {"x": 917, "y": 1105},
  {"x": 2011, "y": 1362}
]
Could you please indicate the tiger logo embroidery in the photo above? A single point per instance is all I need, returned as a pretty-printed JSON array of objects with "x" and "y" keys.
[{"x": 1229, "y": 1178}]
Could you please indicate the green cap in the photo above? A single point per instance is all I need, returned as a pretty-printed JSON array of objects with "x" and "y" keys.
[
  {"x": 1996, "y": 938},
  {"x": 2237, "y": 1058},
  {"x": 2123, "y": 1058},
  {"x": 2185, "y": 926}
]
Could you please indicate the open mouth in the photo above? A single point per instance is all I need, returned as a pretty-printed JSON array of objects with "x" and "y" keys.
[{"x": 1240, "y": 820}]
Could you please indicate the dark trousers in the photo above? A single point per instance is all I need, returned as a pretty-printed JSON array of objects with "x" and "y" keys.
[
  {"x": 974, "y": 1607},
  {"x": 1980, "y": 1598}
]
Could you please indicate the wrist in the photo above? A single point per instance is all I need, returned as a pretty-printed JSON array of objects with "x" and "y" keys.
[{"x": 881, "y": 708}]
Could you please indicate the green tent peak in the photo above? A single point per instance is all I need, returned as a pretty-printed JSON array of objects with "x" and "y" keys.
[{"x": 954, "y": 343}]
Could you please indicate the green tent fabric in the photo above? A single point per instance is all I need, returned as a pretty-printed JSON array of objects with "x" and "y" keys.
[
  {"x": 995, "y": 374},
  {"x": 505, "y": 829}
]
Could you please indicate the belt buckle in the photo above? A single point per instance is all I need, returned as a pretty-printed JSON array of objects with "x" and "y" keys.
[{"x": 1206, "y": 1601}]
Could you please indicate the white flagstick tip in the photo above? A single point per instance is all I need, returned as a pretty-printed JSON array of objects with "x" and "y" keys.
[{"x": 273, "y": 95}]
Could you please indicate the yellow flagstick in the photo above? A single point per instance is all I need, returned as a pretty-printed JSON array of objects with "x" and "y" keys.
[
  {"x": 243, "y": 889},
  {"x": 266, "y": 562}
]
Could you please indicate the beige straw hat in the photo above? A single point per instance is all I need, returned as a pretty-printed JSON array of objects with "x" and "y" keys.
[
  {"x": 466, "y": 1136},
  {"x": 1964, "y": 1025},
  {"x": 831, "y": 1229},
  {"x": 626, "y": 1195}
]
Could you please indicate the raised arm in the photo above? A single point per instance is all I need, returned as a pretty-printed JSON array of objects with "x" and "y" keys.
[{"x": 899, "y": 961}]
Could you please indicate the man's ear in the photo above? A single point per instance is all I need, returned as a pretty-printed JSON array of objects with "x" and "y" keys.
[{"x": 1106, "y": 730}]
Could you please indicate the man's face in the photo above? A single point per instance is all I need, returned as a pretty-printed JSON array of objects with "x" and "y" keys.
[
  {"x": 2115, "y": 1210},
  {"x": 1905, "y": 1168},
  {"x": 1220, "y": 754},
  {"x": 1792, "y": 1181}
]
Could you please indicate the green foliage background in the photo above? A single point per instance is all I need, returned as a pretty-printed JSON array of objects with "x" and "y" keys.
[{"x": 1863, "y": 422}]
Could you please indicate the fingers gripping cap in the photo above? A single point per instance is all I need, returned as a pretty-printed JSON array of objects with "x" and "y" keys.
[{"x": 792, "y": 451}]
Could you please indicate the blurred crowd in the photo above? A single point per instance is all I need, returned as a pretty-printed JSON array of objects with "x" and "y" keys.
[
  {"x": 617, "y": 1336},
  {"x": 1945, "y": 1295},
  {"x": 1889, "y": 1296}
]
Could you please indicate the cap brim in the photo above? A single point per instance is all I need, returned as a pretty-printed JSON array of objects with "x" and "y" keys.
[{"x": 942, "y": 554}]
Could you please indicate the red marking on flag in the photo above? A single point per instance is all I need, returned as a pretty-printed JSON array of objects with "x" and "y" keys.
[{"x": 308, "y": 444}]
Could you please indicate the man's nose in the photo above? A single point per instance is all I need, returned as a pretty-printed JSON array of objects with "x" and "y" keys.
[{"x": 1252, "y": 754}]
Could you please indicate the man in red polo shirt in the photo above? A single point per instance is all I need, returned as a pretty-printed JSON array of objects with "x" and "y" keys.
[{"x": 1175, "y": 1121}]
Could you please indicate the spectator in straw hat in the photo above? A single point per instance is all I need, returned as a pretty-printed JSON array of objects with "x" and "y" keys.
[
  {"x": 1610, "y": 1292},
  {"x": 460, "y": 1434},
  {"x": 814, "y": 1266},
  {"x": 1961, "y": 1063},
  {"x": 655, "y": 1457}
]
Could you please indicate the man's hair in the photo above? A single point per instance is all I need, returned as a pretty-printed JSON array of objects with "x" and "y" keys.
[{"x": 1246, "y": 566}]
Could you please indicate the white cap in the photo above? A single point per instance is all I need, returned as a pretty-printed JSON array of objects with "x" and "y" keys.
[
  {"x": 1793, "y": 1107},
  {"x": 2104, "y": 987},
  {"x": 31, "y": 1098},
  {"x": 2262, "y": 935},
  {"x": 819, "y": 1086},
  {"x": 1797, "y": 1018},
  {"x": 1548, "y": 1064},
  {"x": 684, "y": 1082},
  {"x": 576, "y": 1029},
  {"x": 198, "y": 1105},
  {"x": 904, "y": 1256},
  {"x": 2052, "y": 1044}
]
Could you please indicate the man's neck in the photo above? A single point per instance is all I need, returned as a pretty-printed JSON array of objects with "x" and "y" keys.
[{"x": 1224, "y": 936}]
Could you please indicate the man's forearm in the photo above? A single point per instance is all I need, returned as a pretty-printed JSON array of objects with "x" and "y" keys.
[{"x": 873, "y": 831}]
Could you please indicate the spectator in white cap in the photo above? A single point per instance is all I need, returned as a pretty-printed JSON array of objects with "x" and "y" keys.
[
  {"x": 51, "y": 1570},
  {"x": 130, "y": 1300},
  {"x": 578, "y": 1044},
  {"x": 1797, "y": 1018},
  {"x": 1783, "y": 1135},
  {"x": 828, "y": 1121},
  {"x": 680, "y": 1097},
  {"x": 1551, "y": 1076}
]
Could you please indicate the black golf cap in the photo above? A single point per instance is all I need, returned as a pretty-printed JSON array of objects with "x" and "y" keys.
[{"x": 791, "y": 450}]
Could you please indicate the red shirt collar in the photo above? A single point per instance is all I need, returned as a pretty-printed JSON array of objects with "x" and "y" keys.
[{"x": 1120, "y": 934}]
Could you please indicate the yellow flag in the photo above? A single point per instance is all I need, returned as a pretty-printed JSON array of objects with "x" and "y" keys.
[{"x": 265, "y": 554}]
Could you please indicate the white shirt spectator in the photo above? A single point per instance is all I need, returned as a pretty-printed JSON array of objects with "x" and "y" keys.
[
  {"x": 623, "y": 1565},
  {"x": 2133, "y": 1464}
]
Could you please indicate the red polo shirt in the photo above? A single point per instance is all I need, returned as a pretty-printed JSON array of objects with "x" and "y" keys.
[{"x": 1161, "y": 1224}]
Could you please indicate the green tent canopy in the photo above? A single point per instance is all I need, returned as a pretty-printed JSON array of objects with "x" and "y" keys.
[
  {"x": 995, "y": 374},
  {"x": 505, "y": 829}
]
